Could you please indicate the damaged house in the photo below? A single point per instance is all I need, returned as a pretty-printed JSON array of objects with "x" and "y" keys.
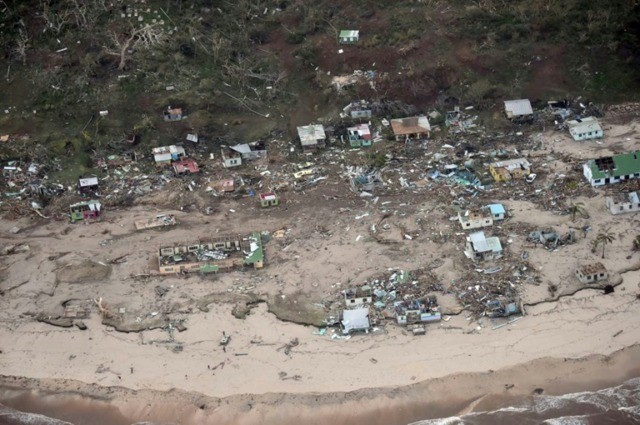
[
  {"x": 484, "y": 217},
  {"x": 250, "y": 151},
  {"x": 481, "y": 248},
  {"x": 87, "y": 210},
  {"x": 173, "y": 114},
  {"x": 359, "y": 136},
  {"x": 591, "y": 273},
  {"x": 230, "y": 157},
  {"x": 411, "y": 128},
  {"x": 511, "y": 169},
  {"x": 623, "y": 203},
  {"x": 185, "y": 166},
  {"x": 358, "y": 295},
  {"x": 207, "y": 257},
  {"x": 312, "y": 137},
  {"x": 475, "y": 219},
  {"x": 421, "y": 310},
  {"x": 164, "y": 155},
  {"x": 612, "y": 169},
  {"x": 585, "y": 129}
]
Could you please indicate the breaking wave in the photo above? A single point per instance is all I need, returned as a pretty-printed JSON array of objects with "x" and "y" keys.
[{"x": 616, "y": 405}]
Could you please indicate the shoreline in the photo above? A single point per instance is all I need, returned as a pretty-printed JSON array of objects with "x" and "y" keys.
[{"x": 451, "y": 395}]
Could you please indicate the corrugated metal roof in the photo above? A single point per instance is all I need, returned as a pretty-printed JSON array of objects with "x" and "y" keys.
[
  {"x": 355, "y": 319},
  {"x": 517, "y": 108},
  {"x": 584, "y": 125},
  {"x": 310, "y": 134}
]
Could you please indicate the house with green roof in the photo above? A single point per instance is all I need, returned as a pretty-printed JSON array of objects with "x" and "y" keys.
[
  {"x": 612, "y": 169},
  {"x": 349, "y": 36}
]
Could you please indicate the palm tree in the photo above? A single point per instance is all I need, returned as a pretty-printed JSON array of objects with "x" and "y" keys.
[
  {"x": 577, "y": 208},
  {"x": 605, "y": 237}
]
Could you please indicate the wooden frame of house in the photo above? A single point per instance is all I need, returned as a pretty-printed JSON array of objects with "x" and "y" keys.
[
  {"x": 591, "y": 273},
  {"x": 212, "y": 256}
]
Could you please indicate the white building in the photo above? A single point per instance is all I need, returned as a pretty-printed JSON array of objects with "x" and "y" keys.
[
  {"x": 517, "y": 108},
  {"x": 623, "y": 204},
  {"x": 312, "y": 137},
  {"x": 585, "y": 129},
  {"x": 482, "y": 248},
  {"x": 356, "y": 320},
  {"x": 591, "y": 273}
]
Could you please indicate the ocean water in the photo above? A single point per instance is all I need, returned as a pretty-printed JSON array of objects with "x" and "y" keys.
[{"x": 618, "y": 405}]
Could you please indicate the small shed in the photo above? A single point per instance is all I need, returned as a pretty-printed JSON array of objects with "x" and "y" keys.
[
  {"x": 356, "y": 320},
  {"x": 269, "y": 199},
  {"x": 518, "y": 108},
  {"x": 585, "y": 129},
  {"x": 591, "y": 273},
  {"x": 349, "y": 36},
  {"x": 88, "y": 184}
]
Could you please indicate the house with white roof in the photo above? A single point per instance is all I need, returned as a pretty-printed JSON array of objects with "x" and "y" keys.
[
  {"x": 519, "y": 108},
  {"x": 481, "y": 248},
  {"x": 585, "y": 129},
  {"x": 312, "y": 137},
  {"x": 356, "y": 320}
]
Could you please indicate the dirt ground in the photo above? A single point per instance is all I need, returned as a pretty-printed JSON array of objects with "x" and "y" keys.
[{"x": 174, "y": 323}]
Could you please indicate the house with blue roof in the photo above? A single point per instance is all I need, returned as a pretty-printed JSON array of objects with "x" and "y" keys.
[
  {"x": 497, "y": 211},
  {"x": 483, "y": 217}
]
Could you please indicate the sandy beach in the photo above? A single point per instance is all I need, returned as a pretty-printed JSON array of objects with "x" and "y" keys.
[{"x": 575, "y": 338}]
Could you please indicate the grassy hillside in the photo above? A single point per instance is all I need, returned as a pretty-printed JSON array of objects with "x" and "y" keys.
[{"x": 242, "y": 68}]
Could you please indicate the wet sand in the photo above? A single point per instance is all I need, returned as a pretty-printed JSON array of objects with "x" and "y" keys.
[{"x": 82, "y": 403}]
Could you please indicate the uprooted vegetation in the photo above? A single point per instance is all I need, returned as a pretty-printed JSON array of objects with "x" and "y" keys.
[{"x": 68, "y": 60}]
